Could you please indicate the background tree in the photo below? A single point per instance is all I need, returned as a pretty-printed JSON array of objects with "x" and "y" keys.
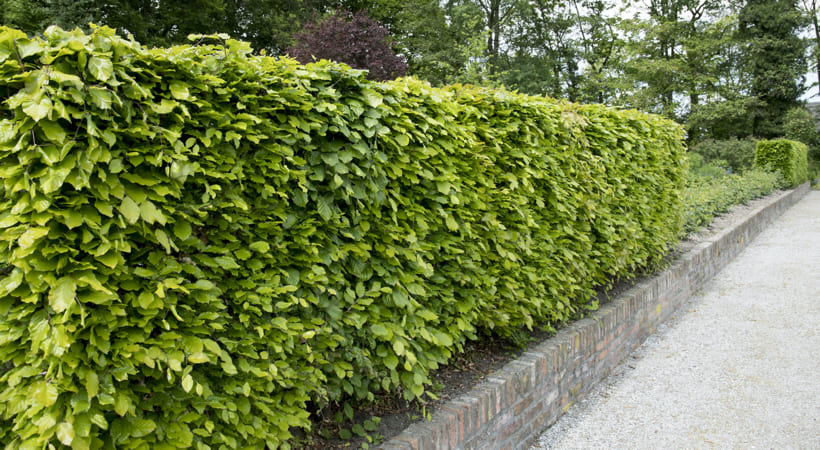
[
  {"x": 775, "y": 60},
  {"x": 432, "y": 36},
  {"x": 809, "y": 8},
  {"x": 270, "y": 24},
  {"x": 354, "y": 39},
  {"x": 800, "y": 125},
  {"x": 34, "y": 16}
]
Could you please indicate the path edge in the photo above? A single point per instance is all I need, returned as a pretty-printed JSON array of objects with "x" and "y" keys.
[{"x": 513, "y": 406}]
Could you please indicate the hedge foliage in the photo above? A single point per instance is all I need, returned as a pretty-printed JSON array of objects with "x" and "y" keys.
[
  {"x": 705, "y": 197},
  {"x": 787, "y": 157},
  {"x": 201, "y": 246}
]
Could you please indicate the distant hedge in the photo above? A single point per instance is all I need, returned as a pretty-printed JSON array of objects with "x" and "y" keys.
[
  {"x": 201, "y": 246},
  {"x": 705, "y": 196},
  {"x": 787, "y": 157}
]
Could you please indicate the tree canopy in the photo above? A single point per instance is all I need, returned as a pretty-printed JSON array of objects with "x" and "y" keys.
[
  {"x": 356, "y": 40},
  {"x": 722, "y": 67}
]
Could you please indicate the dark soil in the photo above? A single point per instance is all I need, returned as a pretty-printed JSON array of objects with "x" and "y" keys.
[{"x": 485, "y": 356}]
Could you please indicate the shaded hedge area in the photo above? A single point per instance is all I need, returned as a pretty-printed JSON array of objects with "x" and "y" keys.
[{"x": 203, "y": 246}]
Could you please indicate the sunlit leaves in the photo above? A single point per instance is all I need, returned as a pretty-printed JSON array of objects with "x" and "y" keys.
[{"x": 201, "y": 244}]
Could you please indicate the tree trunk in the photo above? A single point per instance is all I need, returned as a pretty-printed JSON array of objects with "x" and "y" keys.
[{"x": 816, "y": 40}]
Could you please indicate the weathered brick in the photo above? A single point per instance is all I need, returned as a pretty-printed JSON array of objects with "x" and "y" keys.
[
  {"x": 451, "y": 429},
  {"x": 460, "y": 420}
]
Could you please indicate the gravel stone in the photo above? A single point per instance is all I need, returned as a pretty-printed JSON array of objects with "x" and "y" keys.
[{"x": 738, "y": 367}]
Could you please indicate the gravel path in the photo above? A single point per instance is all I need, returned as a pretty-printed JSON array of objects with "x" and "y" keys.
[{"x": 738, "y": 367}]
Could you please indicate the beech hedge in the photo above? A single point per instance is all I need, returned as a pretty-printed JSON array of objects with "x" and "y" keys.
[
  {"x": 201, "y": 246},
  {"x": 790, "y": 158}
]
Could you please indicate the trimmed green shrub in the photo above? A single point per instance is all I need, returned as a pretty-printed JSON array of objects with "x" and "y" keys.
[
  {"x": 737, "y": 154},
  {"x": 787, "y": 157},
  {"x": 202, "y": 246},
  {"x": 708, "y": 196}
]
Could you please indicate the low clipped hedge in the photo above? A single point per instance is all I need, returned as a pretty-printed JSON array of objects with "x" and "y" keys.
[
  {"x": 787, "y": 157},
  {"x": 706, "y": 197},
  {"x": 202, "y": 246}
]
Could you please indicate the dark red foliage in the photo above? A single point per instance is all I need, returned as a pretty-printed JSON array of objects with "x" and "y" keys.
[{"x": 356, "y": 40}]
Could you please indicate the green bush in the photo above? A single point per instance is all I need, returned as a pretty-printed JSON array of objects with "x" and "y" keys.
[
  {"x": 202, "y": 246},
  {"x": 737, "y": 154},
  {"x": 706, "y": 197},
  {"x": 787, "y": 157}
]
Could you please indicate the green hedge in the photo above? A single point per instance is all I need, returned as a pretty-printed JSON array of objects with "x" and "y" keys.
[
  {"x": 788, "y": 157},
  {"x": 202, "y": 246},
  {"x": 707, "y": 196}
]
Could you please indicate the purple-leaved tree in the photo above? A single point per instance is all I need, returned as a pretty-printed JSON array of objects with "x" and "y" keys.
[{"x": 355, "y": 40}]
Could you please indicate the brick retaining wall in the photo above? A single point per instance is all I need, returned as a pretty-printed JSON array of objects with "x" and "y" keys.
[{"x": 514, "y": 405}]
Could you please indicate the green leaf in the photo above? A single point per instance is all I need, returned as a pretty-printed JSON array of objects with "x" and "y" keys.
[
  {"x": 37, "y": 109},
  {"x": 142, "y": 427},
  {"x": 443, "y": 187},
  {"x": 101, "y": 68},
  {"x": 442, "y": 339},
  {"x": 451, "y": 223},
  {"x": 45, "y": 393},
  {"x": 226, "y": 262},
  {"x": 74, "y": 219},
  {"x": 11, "y": 282},
  {"x": 381, "y": 331},
  {"x": 182, "y": 229},
  {"x": 373, "y": 98},
  {"x": 163, "y": 239},
  {"x": 92, "y": 384},
  {"x": 198, "y": 358},
  {"x": 390, "y": 361},
  {"x": 28, "y": 47},
  {"x": 121, "y": 404},
  {"x": 53, "y": 131},
  {"x": 402, "y": 140},
  {"x": 150, "y": 213},
  {"x": 7, "y": 130},
  {"x": 54, "y": 179},
  {"x": 65, "y": 433},
  {"x": 179, "y": 90},
  {"x": 110, "y": 259},
  {"x": 62, "y": 296},
  {"x": 165, "y": 106},
  {"x": 398, "y": 347},
  {"x": 101, "y": 98},
  {"x": 415, "y": 289},
  {"x": 187, "y": 383},
  {"x": 260, "y": 246},
  {"x": 130, "y": 210},
  {"x": 325, "y": 210}
]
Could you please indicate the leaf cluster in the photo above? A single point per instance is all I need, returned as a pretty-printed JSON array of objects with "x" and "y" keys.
[{"x": 202, "y": 247}]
